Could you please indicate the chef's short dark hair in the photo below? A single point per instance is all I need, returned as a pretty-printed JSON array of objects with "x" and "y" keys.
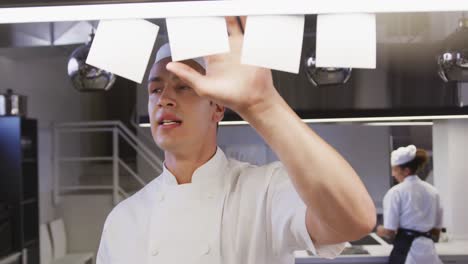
[{"x": 417, "y": 163}]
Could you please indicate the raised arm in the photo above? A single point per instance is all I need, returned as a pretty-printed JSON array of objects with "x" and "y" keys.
[{"x": 339, "y": 207}]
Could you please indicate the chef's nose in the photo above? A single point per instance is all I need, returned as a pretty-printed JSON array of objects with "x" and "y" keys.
[{"x": 167, "y": 98}]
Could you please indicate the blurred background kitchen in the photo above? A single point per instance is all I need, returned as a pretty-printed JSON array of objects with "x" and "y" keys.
[{"x": 74, "y": 139}]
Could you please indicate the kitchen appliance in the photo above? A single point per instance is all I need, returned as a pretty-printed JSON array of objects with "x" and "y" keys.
[
  {"x": 6, "y": 230},
  {"x": 12, "y": 104}
]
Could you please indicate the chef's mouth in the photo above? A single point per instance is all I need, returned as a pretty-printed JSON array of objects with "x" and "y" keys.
[{"x": 169, "y": 122}]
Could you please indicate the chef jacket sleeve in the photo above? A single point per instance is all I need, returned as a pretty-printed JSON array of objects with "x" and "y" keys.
[
  {"x": 288, "y": 218},
  {"x": 391, "y": 210},
  {"x": 103, "y": 252}
]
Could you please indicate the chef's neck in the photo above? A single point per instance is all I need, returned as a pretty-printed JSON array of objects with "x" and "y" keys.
[
  {"x": 183, "y": 165},
  {"x": 404, "y": 177}
]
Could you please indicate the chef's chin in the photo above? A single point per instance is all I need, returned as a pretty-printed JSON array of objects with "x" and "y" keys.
[
  {"x": 166, "y": 140},
  {"x": 168, "y": 144}
]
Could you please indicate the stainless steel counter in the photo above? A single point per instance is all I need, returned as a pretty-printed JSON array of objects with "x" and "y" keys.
[{"x": 370, "y": 253}]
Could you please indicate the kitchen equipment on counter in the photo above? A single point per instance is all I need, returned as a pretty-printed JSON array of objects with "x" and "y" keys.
[{"x": 12, "y": 104}]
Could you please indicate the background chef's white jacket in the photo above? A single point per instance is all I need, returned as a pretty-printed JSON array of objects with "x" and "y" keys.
[
  {"x": 232, "y": 212},
  {"x": 414, "y": 204}
]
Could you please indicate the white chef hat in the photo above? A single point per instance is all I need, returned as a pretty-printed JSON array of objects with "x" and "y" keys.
[
  {"x": 165, "y": 52},
  {"x": 403, "y": 155}
]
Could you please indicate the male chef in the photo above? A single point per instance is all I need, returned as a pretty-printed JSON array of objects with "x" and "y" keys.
[{"x": 206, "y": 208}]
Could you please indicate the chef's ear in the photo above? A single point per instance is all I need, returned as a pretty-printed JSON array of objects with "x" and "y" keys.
[
  {"x": 407, "y": 171},
  {"x": 218, "y": 114}
]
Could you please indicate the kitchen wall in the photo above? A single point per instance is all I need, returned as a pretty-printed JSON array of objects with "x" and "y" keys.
[
  {"x": 450, "y": 174},
  {"x": 366, "y": 148}
]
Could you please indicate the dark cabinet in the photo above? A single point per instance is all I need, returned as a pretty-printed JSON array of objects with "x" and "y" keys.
[{"x": 19, "y": 183}]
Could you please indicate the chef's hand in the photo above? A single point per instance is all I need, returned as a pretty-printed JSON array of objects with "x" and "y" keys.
[
  {"x": 227, "y": 81},
  {"x": 385, "y": 233}
]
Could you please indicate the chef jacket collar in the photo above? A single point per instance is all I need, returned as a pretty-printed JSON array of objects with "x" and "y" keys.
[
  {"x": 412, "y": 178},
  {"x": 212, "y": 172}
]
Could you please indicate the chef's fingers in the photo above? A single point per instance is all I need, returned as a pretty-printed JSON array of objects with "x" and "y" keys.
[
  {"x": 243, "y": 21},
  {"x": 233, "y": 26},
  {"x": 187, "y": 74}
]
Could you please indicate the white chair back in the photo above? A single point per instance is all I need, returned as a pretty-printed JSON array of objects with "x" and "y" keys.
[
  {"x": 59, "y": 238},
  {"x": 45, "y": 245}
]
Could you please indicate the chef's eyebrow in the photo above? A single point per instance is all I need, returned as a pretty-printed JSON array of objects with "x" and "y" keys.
[
  {"x": 175, "y": 77},
  {"x": 155, "y": 79},
  {"x": 159, "y": 79}
]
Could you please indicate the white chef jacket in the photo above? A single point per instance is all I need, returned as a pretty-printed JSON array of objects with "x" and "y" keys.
[
  {"x": 414, "y": 204},
  {"x": 232, "y": 212}
]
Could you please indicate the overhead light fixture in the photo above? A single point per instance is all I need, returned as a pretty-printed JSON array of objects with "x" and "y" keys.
[
  {"x": 453, "y": 61},
  {"x": 399, "y": 123},
  {"x": 69, "y": 12},
  {"x": 383, "y": 119},
  {"x": 87, "y": 78},
  {"x": 401, "y": 119},
  {"x": 325, "y": 76}
]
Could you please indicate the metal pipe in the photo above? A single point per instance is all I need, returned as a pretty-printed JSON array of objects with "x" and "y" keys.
[
  {"x": 115, "y": 165},
  {"x": 56, "y": 156},
  {"x": 126, "y": 167}
]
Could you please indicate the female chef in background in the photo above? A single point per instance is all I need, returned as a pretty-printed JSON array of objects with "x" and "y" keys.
[{"x": 412, "y": 210}]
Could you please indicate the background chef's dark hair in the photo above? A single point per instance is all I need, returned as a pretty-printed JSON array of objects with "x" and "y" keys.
[{"x": 418, "y": 163}]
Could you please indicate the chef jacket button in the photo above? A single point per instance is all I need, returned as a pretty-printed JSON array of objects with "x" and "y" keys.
[
  {"x": 207, "y": 250},
  {"x": 210, "y": 195},
  {"x": 155, "y": 252}
]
